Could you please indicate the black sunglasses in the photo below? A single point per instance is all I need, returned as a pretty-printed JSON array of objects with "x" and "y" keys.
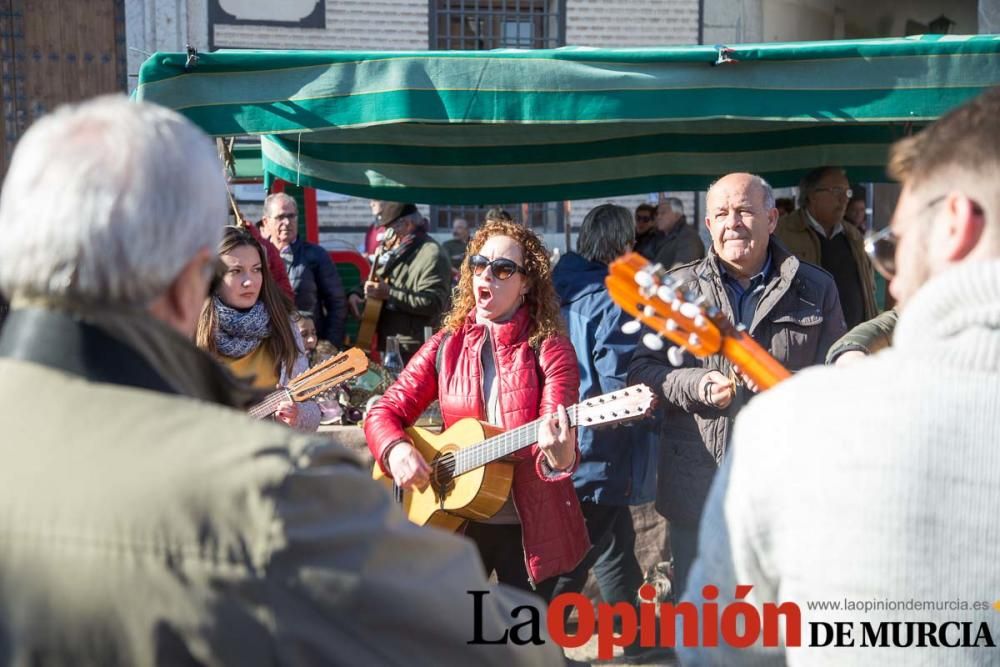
[{"x": 501, "y": 267}]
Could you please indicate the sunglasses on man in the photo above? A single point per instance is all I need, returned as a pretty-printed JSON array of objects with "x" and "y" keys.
[{"x": 501, "y": 267}]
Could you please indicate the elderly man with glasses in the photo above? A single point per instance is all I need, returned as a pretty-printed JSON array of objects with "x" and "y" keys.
[{"x": 816, "y": 233}]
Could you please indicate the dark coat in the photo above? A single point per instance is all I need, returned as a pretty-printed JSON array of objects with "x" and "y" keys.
[
  {"x": 681, "y": 246},
  {"x": 797, "y": 319},
  {"x": 419, "y": 285},
  {"x": 618, "y": 466},
  {"x": 649, "y": 244},
  {"x": 318, "y": 289}
]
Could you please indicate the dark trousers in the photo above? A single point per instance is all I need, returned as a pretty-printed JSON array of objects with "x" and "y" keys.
[
  {"x": 500, "y": 548},
  {"x": 612, "y": 557},
  {"x": 684, "y": 547}
]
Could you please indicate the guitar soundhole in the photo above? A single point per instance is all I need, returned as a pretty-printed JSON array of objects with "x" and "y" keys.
[{"x": 443, "y": 474}]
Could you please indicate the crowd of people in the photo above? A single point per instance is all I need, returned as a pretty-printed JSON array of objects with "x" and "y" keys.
[{"x": 151, "y": 521}]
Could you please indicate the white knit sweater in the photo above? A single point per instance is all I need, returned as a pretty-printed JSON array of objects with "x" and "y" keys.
[{"x": 877, "y": 483}]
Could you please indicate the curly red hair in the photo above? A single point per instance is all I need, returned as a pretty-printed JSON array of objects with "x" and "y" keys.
[{"x": 540, "y": 300}]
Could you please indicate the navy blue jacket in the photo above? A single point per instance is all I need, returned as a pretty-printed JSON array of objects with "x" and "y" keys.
[
  {"x": 618, "y": 465},
  {"x": 318, "y": 289}
]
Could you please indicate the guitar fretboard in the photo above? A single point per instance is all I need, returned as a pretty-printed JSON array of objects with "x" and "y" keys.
[
  {"x": 267, "y": 407},
  {"x": 503, "y": 444}
]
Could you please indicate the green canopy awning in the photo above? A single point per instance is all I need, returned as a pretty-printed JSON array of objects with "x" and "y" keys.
[{"x": 510, "y": 125}]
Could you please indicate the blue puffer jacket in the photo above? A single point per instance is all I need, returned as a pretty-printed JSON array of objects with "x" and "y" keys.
[{"x": 618, "y": 465}]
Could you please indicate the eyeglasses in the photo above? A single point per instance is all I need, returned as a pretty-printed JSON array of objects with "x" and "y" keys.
[
  {"x": 880, "y": 246},
  {"x": 837, "y": 191},
  {"x": 501, "y": 267},
  {"x": 643, "y": 218}
]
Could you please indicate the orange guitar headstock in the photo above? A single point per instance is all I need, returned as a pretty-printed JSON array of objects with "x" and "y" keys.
[
  {"x": 649, "y": 294},
  {"x": 655, "y": 298}
]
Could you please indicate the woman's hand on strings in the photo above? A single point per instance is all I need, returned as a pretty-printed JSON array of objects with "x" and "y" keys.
[
  {"x": 408, "y": 467},
  {"x": 557, "y": 440}
]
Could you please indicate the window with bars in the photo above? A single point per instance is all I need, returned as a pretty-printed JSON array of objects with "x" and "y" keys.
[
  {"x": 464, "y": 25},
  {"x": 477, "y": 25},
  {"x": 542, "y": 217}
]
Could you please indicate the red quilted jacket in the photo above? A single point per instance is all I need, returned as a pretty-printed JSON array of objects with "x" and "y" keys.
[{"x": 555, "y": 537}]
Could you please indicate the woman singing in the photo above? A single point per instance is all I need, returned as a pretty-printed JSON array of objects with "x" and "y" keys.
[
  {"x": 246, "y": 324},
  {"x": 503, "y": 360}
]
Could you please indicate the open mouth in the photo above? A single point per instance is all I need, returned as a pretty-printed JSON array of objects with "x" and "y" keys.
[{"x": 483, "y": 294}]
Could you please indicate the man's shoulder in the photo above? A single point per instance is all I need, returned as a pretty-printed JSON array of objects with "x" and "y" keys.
[
  {"x": 313, "y": 252},
  {"x": 816, "y": 278},
  {"x": 791, "y": 223}
]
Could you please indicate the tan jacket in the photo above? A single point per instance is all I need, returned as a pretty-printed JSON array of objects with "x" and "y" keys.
[
  {"x": 801, "y": 239},
  {"x": 141, "y": 527}
]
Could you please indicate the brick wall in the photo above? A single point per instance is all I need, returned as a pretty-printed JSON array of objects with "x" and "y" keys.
[
  {"x": 386, "y": 25},
  {"x": 623, "y": 23}
]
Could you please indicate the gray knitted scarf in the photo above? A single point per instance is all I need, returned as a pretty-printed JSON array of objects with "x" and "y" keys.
[{"x": 240, "y": 331}]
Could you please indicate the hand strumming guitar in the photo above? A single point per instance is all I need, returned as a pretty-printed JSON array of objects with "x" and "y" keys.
[{"x": 408, "y": 467}]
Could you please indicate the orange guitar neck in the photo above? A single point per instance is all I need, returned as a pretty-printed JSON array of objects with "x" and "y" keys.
[{"x": 753, "y": 360}]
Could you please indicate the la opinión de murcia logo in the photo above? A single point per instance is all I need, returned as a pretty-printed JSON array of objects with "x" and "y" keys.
[{"x": 738, "y": 624}]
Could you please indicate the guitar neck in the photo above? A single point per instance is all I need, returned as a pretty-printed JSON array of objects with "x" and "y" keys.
[
  {"x": 270, "y": 404},
  {"x": 504, "y": 444}
]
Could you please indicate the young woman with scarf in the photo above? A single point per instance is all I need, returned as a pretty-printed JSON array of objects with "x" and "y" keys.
[
  {"x": 246, "y": 324},
  {"x": 501, "y": 357}
]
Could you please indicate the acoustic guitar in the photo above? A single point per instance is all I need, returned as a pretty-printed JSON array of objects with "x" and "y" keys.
[
  {"x": 651, "y": 295},
  {"x": 321, "y": 377},
  {"x": 470, "y": 478},
  {"x": 373, "y": 307}
]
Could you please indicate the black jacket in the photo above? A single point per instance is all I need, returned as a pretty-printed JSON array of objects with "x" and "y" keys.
[{"x": 318, "y": 289}]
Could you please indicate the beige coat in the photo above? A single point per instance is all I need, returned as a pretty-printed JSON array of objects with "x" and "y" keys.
[
  {"x": 798, "y": 236},
  {"x": 142, "y": 527}
]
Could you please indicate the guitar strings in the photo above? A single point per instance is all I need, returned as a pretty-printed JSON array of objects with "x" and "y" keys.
[{"x": 492, "y": 448}]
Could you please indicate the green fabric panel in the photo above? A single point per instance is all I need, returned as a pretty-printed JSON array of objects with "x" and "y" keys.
[
  {"x": 161, "y": 66},
  {"x": 584, "y": 150},
  {"x": 512, "y": 125},
  {"x": 608, "y": 187},
  {"x": 628, "y": 106}
]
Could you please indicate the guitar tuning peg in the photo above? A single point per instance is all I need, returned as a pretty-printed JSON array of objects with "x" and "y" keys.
[
  {"x": 672, "y": 325},
  {"x": 653, "y": 342},
  {"x": 665, "y": 293},
  {"x": 676, "y": 356},
  {"x": 700, "y": 321},
  {"x": 649, "y": 311},
  {"x": 689, "y": 310},
  {"x": 643, "y": 278},
  {"x": 631, "y": 327},
  {"x": 693, "y": 340}
]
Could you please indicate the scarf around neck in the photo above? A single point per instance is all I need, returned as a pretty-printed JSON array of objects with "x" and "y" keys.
[{"x": 240, "y": 332}]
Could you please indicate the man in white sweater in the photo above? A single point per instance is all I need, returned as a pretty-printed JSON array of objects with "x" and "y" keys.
[{"x": 889, "y": 518}]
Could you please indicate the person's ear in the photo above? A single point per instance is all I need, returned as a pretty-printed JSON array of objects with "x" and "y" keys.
[
  {"x": 772, "y": 220},
  {"x": 180, "y": 304},
  {"x": 962, "y": 229}
]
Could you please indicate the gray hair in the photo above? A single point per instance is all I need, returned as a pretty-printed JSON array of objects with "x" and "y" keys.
[
  {"x": 763, "y": 185},
  {"x": 676, "y": 204},
  {"x": 606, "y": 233},
  {"x": 106, "y": 201},
  {"x": 278, "y": 197}
]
